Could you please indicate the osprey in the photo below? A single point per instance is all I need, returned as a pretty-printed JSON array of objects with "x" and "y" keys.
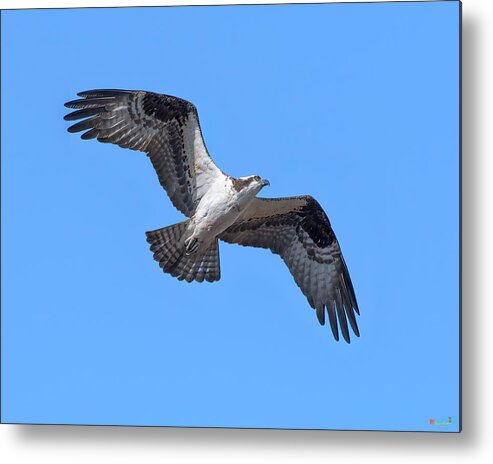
[{"x": 219, "y": 207}]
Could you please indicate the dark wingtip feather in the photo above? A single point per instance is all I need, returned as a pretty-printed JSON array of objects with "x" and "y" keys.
[
  {"x": 349, "y": 285},
  {"x": 83, "y": 113},
  {"x": 69, "y": 103},
  {"x": 341, "y": 315},
  {"x": 352, "y": 319},
  {"x": 353, "y": 298},
  {"x": 85, "y": 124},
  {"x": 97, "y": 102},
  {"x": 333, "y": 321},
  {"x": 91, "y": 134},
  {"x": 346, "y": 336},
  {"x": 103, "y": 93},
  {"x": 321, "y": 315},
  {"x": 73, "y": 129},
  {"x": 356, "y": 330},
  {"x": 348, "y": 307}
]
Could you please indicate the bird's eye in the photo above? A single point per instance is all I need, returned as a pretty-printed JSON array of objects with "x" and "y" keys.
[{"x": 257, "y": 178}]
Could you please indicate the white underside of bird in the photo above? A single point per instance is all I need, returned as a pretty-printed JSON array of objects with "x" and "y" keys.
[{"x": 218, "y": 209}]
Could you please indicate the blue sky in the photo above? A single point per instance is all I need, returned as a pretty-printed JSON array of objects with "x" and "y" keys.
[{"x": 355, "y": 104}]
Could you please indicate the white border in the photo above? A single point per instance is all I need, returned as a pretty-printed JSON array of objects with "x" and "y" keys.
[
  {"x": 108, "y": 3},
  {"x": 52, "y": 444}
]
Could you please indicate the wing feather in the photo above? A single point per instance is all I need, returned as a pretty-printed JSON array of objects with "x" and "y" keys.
[
  {"x": 297, "y": 229},
  {"x": 164, "y": 127}
]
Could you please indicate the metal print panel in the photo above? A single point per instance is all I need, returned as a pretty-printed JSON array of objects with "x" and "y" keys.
[{"x": 341, "y": 308}]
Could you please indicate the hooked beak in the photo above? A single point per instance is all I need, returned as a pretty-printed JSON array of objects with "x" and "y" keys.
[{"x": 265, "y": 183}]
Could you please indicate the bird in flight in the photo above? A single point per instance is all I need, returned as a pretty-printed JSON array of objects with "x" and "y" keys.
[{"x": 218, "y": 206}]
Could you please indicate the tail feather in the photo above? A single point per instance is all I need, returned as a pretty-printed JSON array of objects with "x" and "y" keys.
[
  {"x": 199, "y": 267},
  {"x": 168, "y": 247}
]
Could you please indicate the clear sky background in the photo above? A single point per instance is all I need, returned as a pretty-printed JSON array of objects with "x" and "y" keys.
[{"x": 355, "y": 104}]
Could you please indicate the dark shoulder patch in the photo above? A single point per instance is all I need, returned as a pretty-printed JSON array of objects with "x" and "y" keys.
[
  {"x": 315, "y": 223},
  {"x": 166, "y": 107}
]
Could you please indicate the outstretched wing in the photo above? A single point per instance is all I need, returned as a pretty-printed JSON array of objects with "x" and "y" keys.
[
  {"x": 165, "y": 127},
  {"x": 298, "y": 230}
]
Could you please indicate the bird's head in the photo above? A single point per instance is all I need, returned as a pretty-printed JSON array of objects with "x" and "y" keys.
[{"x": 249, "y": 185}]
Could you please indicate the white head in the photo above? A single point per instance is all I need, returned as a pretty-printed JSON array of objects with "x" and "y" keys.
[{"x": 249, "y": 186}]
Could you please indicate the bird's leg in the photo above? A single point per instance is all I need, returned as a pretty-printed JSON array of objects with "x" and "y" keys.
[{"x": 191, "y": 245}]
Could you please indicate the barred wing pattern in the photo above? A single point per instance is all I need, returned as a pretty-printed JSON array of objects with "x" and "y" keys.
[
  {"x": 297, "y": 229},
  {"x": 166, "y": 128}
]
